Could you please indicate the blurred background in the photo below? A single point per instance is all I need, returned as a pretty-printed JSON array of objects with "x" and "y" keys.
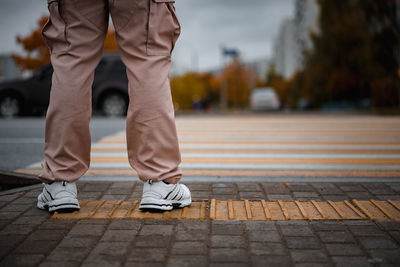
[{"x": 241, "y": 56}]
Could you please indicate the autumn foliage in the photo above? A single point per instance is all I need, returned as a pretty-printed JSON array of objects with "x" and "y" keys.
[
  {"x": 190, "y": 88},
  {"x": 37, "y": 53},
  {"x": 355, "y": 56}
]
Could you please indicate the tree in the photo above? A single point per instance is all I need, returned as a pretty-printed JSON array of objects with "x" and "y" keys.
[
  {"x": 186, "y": 89},
  {"x": 354, "y": 54},
  {"x": 37, "y": 53},
  {"x": 237, "y": 79}
]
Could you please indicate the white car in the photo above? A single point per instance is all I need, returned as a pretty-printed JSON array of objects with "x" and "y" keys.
[{"x": 264, "y": 99}]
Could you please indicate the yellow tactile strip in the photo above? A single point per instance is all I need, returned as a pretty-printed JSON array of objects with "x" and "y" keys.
[{"x": 257, "y": 210}]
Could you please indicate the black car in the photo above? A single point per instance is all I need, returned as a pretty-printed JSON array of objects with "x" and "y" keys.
[{"x": 29, "y": 96}]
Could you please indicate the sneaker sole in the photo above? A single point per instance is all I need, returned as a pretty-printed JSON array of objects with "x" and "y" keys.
[
  {"x": 153, "y": 204},
  {"x": 60, "y": 205}
]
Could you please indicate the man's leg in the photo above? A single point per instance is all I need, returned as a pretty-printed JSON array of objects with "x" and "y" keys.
[
  {"x": 146, "y": 33},
  {"x": 145, "y": 39},
  {"x": 75, "y": 35}
]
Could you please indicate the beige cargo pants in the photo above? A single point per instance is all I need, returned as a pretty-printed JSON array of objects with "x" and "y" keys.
[{"x": 146, "y": 33}]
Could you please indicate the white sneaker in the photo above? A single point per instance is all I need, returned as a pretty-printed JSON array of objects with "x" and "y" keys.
[
  {"x": 58, "y": 196},
  {"x": 160, "y": 196}
]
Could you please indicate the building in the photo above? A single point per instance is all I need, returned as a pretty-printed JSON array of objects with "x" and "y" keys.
[
  {"x": 285, "y": 49},
  {"x": 295, "y": 37}
]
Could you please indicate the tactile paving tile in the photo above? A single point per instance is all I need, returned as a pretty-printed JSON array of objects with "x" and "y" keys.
[{"x": 379, "y": 210}]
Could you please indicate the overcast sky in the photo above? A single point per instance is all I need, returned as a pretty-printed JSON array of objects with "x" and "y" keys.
[{"x": 248, "y": 25}]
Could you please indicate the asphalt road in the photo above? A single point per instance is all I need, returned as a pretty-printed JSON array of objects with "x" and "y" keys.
[{"x": 22, "y": 139}]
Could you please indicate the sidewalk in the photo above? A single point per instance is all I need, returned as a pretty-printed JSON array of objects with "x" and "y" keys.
[{"x": 31, "y": 237}]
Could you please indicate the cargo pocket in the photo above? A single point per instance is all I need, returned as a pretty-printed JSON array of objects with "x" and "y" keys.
[
  {"x": 54, "y": 31},
  {"x": 163, "y": 28}
]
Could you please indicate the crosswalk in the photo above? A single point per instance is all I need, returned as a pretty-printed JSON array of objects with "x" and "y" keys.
[{"x": 269, "y": 145}]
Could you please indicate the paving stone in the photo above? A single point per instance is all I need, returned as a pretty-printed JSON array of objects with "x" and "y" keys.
[
  {"x": 351, "y": 261},
  {"x": 352, "y": 188},
  {"x": 343, "y": 249},
  {"x": 15, "y": 229},
  {"x": 199, "y": 187},
  {"x": 193, "y": 260},
  {"x": 10, "y": 197},
  {"x": 336, "y": 237},
  {"x": 200, "y": 195},
  {"x": 228, "y": 255},
  {"x": 308, "y": 255},
  {"x": 224, "y": 197},
  {"x": 152, "y": 241},
  {"x": 87, "y": 230},
  {"x": 36, "y": 247},
  {"x": 377, "y": 242},
  {"x": 224, "y": 191},
  {"x": 50, "y": 235},
  {"x": 96, "y": 187},
  {"x": 9, "y": 241},
  {"x": 391, "y": 256},
  {"x": 390, "y": 225},
  {"x": 335, "y": 197},
  {"x": 36, "y": 220},
  {"x": 395, "y": 235},
  {"x": 147, "y": 255},
  {"x": 327, "y": 189},
  {"x": 365, "y": 230},
  {"x": 57, "y": 225},
  {"x": 4, "y": 223},
  {"x": 111, "y": 249},
  {"x": 118, "y": 191},
  {"x": 300, "y": 187},
  {"x": 273, "y": 261},
  {"x": 328, "y": 226},
  {"x": 96, "y": 222},
  {"x": 189, "y": 248},
  {"x": 59, "y": 264},
  {"x": 9, "y": 215},
  {"x": 118, "y": 235},
  {"x": 15, "y": 207},
  {"x": 125, "y": 225},
  {"x": 251, "y": 187},
  {"x": 264, "y": 236},
  {"x": 267, "y": 248},
  {"x": 62, "y": 253},
  {"x": 90, "y": 195},
  {"x": 186, "y": 235},
  {"x": 224, "y": 241},
  {"x": 360, "y": 195},
  {"x": 251, "y": 195},
  {"x": 101, "y": 260},
  {"x": 114, "y": 197},
  {"x": 156, "y": 230},
  {"x": 388, "y": 197},
  {"x": 312, "y": 264},
  {"x": 31, "y": 201},
  {"x": 311, "y": 195},
  {"x": 296, "y": 230},
  {"x": 228, "y": 264},
  {"x": 272, "y": 197},
  {"x": 192, "y": 225},
  {"x": 260, "y": 225},
  {"x": 78, "y": 242},
  {"x": 275, "y": 188},
  {"x": 302, "y": 242},
  {"x": 22, "y": 260},
  {"x": 227, "y": 228},
  {"x": 144, "y": 264}
]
